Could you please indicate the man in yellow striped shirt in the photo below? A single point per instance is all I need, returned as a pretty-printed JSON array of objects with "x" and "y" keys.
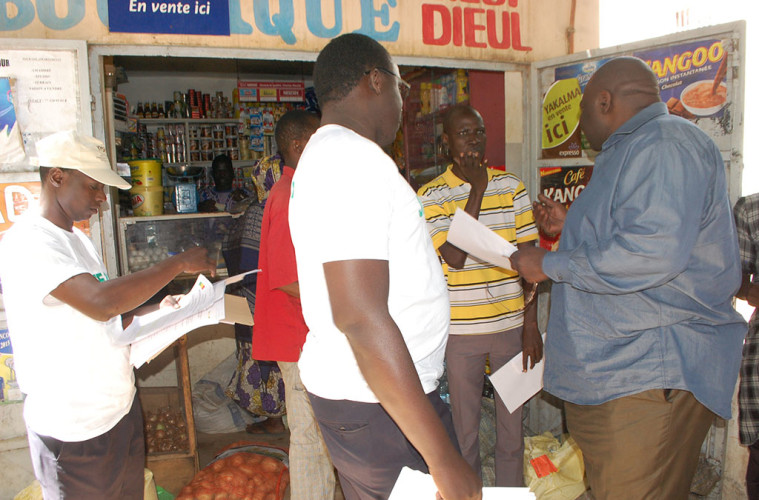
[{"x": 488, "y": 314}]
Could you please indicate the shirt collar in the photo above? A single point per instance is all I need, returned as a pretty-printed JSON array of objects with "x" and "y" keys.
[
  {"x": 641, "y": 118},
  {"x": 287, "y": 172}
]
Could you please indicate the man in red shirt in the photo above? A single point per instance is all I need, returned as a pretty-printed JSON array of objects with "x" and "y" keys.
[{"x": 280, "y": 331}]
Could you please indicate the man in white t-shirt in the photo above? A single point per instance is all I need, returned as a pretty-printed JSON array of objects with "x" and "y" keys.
[
  {"x": 372, "y": 290},
  {"x": 83, "y": 421}
]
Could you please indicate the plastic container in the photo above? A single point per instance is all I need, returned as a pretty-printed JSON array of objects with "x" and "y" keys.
[
  {"x": 145, "y": 173},
  {"x": 147, "y": 200}
]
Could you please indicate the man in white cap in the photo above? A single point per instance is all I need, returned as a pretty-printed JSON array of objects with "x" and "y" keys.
[{"x": 84, "y": 423}]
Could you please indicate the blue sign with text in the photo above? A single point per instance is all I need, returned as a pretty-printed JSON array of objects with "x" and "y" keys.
[{"x": 178, "y": 17}]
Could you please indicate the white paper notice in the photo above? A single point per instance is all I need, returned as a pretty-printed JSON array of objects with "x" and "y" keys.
[
  {"x": 479, "y": 241},
  {"x": 515, "y": 386},
  {"x": 420, "y": 486}
]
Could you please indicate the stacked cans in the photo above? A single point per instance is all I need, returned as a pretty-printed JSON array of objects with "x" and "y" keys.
[{"x": 206, "y": 141}]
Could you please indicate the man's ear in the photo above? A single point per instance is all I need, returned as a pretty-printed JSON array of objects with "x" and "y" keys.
[
  {"x": 374, "y": 81},
  {"x": 604, "y": 101},
  {"x": 55, "y": 177}
]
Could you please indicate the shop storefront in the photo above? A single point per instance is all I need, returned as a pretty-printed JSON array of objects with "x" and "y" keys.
[{"x": 92, "y": 64}]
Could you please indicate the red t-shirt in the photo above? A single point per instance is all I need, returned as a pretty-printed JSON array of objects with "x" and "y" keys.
[{"x": 279, "y": 330}]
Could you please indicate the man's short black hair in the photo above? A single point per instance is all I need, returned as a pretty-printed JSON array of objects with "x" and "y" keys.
[
  {"x": 293, "y": 125},
  {"x": 343, "y": 62}
]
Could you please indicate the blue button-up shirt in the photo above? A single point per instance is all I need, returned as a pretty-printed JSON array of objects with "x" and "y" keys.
[{"x": 646, "y": 270}]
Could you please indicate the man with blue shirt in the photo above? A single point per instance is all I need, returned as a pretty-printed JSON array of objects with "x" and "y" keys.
[{"x": 643, "y": 343}]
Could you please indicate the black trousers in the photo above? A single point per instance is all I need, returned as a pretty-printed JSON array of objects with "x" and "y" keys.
[{"x": 109, "y": 466}]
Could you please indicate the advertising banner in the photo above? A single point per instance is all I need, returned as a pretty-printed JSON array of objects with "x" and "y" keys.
[
  {"x": 693, "y": 82},
  {"x": 206, "y": 17},
  {"x": 562, "y": 184}
]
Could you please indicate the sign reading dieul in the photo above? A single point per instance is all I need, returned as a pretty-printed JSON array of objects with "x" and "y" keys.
[
  {"x": 188, "y": 17},
  {"x": 561, "y": 119}
]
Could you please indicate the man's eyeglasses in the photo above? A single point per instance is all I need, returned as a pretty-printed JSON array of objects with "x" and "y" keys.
[
  {"x": 480, "y": 132},
  {"x": 403, "y": 86}
]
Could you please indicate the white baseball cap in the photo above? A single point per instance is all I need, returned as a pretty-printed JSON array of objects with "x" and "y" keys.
[{"x": 84, "y": 153}]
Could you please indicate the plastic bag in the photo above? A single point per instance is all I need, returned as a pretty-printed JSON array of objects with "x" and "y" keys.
[
  {"x": 552, "y": 470},
  {"x": 214, "y": 411}
]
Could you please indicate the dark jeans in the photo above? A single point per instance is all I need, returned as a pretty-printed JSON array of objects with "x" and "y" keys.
[
  {"x": 109, "y": 466},
  {"x": 367, "y": 447}
]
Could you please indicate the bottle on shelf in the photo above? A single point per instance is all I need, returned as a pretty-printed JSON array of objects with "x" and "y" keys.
[
  {"x": 161, "y": 111},
  {"x": 153, "y": 110},
  {"x": 140, "y": 111}
]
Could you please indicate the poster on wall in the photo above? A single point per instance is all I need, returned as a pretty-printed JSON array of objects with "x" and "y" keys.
[
  {"x": 562, "y": 184},
  {"x": 561, "y": 120},
  {"x": 46, "y": 91},
  {"x": 693, "y": 83}
]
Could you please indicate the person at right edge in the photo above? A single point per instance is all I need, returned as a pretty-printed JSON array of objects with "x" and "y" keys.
[
  {"x": 643, "y": 343},
  {"x": 372, "y": 290},
  {"x": 746, "y": 214},
  {"x": 491, "y": 319}
]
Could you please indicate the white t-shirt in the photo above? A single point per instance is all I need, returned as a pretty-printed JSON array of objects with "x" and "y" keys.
[
  {"x": 349, "y": 202},
  {"x": 78, "y": 383}
]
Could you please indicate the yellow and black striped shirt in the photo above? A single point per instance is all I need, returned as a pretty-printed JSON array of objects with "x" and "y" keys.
[{"x": 484, "y": 298}]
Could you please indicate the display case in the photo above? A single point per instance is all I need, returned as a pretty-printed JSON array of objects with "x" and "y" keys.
[{"x": 144, "y": 241}]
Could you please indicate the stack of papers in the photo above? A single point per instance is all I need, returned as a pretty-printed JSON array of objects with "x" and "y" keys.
[{"x": 206, "y": 304}]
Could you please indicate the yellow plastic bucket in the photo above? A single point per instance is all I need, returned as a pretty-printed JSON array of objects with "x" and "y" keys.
[
  {"x": 147, "y": 200},
  {"x": 145, "y": 172}
]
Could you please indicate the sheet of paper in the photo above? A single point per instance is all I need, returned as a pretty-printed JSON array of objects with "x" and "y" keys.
[
  {"x": 418, "y": 485},
  {"x": 515, "y": 386},
  {"x": 479, "y": 241}
]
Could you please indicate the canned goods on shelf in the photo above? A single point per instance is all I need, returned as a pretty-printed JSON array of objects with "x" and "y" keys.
[
  {"x": 205, "y": 131},
  {"x": 233, "y": 153},
  {"x": 218, "y": 144},
  {"x": 194, "y": 145},
  {"x": 206, "y": 144},
  {"x": 218, "y": 131},
  {"x": 232, "y": 142}
]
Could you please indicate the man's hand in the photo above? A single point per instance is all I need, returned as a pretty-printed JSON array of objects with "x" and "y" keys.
[
  {"x": 532, "y": 346},
  {"x": 474, "y": 169},
  {"x": 549, "y": 215},
  {"x": 196, "y": 260},
  {"x": 456, "y": 480},
  {"x": 170, "y": 301},
  {"x": 528, "y": 262}
]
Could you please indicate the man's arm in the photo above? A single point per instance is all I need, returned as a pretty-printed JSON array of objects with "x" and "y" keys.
[
  {"x": 748, "y": 291},
  {"x": 532, "y": 342},
  {"x": 358, "y": 292},
  {"x": 658, "y": 202},
  {"x": 104, "y": 300},
  {"x": 477, "y": 177}
]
